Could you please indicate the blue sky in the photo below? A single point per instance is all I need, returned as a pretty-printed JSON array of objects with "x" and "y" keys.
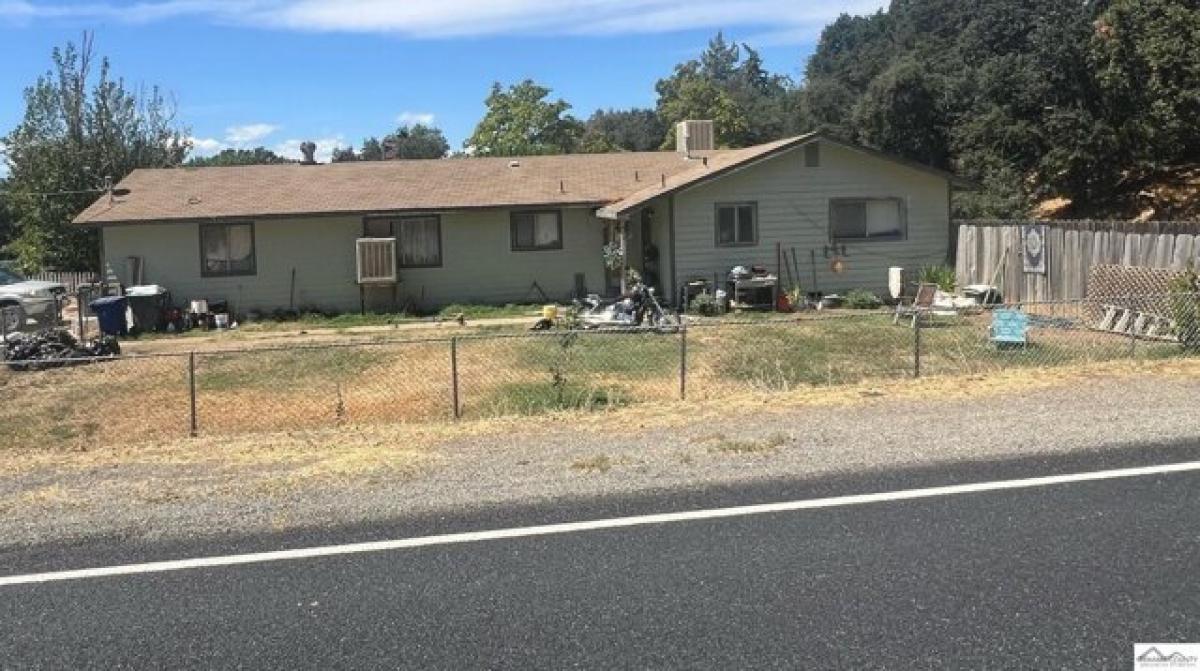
[{"x": 275, "y": 72}]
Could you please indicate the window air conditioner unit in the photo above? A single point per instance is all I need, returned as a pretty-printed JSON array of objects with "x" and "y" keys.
[{"x": 376, "y": 260}]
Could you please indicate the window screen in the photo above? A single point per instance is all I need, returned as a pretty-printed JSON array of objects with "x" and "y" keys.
[
  {"x": 533, "y": 231},
  {"x": 866, "y": 219},
  {"x": 226, "y": 249},
  {"x": 736, "y": 224}
]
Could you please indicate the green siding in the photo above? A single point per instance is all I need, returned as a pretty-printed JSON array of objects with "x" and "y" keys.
[
  {"x": 478, "y": 264},
  {"x": 793, "y": 209}
]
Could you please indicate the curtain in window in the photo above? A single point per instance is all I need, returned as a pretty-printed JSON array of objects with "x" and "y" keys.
[
  {"x": 240, "y": 242},
  {"x": 227, "y": 248},
  {"x": 545, "y": 229},
  {"x": 216, "y": 252},
  {"x": 883, "y": 218},
  {"x": 536, "y": 230},
  {"x": 420, "y": 242}
]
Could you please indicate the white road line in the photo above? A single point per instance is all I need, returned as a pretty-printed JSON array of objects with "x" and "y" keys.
[{"x": 593, "y": 525}]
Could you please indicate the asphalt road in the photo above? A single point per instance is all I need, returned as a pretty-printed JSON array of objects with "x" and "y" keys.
[{"x": 1064, "y": 576}]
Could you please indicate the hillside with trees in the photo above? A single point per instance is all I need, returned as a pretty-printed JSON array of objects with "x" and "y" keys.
[{"x": 1091, "y": 105}]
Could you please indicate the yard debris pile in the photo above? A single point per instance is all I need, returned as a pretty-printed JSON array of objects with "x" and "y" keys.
[{"x": 55, "y": 347}]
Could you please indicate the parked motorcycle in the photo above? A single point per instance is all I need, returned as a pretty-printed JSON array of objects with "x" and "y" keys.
[{"x": 637, "y": 308}]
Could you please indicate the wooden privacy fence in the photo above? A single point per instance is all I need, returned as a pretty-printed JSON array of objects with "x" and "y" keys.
[{"x": 992, "y": 252}]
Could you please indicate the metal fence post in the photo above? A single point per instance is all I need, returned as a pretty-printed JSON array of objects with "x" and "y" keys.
[
  {"x": 917, "y": 345},
  {"x": 454, "y": 376},
  {"x": 1133, "y": 340},
  {"x": 80, "y": 317},
  {"x": 194, "y": 425},
  {"x": 4, "y": 331},
  {"x": 682, "y": 361}
]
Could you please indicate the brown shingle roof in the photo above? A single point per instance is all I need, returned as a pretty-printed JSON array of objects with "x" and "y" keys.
[
  {"x": 382, "y": 186},
  {"x": 716, "y": 164},
  {"x": 619, "y": 182}
]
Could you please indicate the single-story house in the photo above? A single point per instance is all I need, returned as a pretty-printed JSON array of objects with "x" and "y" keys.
[{"x": 495, "y": 230}]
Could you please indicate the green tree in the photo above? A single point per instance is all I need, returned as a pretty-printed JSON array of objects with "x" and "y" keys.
[
  {"x": 230, "y": 157},
  {"x": 728, "y": 84},
  {"x": 1002, "y": 91},
  {"x": 6, "y": 222},
  {"x": 416, "y": 141},
  {"x": 1148, "y": 68},
  {"x": 522, "y": 120},
  {"x": 372, "y": 150},
  {"x": 623, "y": 130},
  {"x": 407, "y": 142},
  {"x": 80, "y": 129},
  {"x": 901, "y": 112}
]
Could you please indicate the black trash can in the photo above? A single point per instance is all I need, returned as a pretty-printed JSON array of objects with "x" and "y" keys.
[{"x": 110, "y": 314}]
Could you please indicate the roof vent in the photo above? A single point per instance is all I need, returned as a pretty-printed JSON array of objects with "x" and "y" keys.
[
  {"x": 514, "y": 164},
  {"x": 692, "y": 136},
  {"x": 308, "y": 149}
]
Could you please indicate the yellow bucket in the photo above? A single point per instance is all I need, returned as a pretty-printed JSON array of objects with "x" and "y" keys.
[{"x": 550, "y": 312}]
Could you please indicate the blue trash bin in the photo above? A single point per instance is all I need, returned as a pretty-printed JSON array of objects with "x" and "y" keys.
[{"x": 110, "y": 314}]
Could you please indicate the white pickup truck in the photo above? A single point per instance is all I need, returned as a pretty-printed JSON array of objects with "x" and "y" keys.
[{"x": 22, "y": 300}]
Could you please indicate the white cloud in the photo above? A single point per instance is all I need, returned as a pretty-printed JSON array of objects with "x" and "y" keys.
[
  {"x": 249, "y": 133},
  {"x": 793, "y": 20},
  {"x": 236, "y": 137},
  {"x": 325, "y": 146},
  {"x": 206, "y": 146},
  {"x": 412, "y": 118}
]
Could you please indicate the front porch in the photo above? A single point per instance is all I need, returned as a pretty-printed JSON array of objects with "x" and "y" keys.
[{"x": 637, "y": 248}]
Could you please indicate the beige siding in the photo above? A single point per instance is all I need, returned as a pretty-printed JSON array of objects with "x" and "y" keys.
[
  {"x": 793, "y": 209},
  {"x": 478, "y": 264}
]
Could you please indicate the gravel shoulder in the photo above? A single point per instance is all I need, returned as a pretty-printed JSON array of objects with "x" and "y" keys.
[{"x": 213, "y": 486}]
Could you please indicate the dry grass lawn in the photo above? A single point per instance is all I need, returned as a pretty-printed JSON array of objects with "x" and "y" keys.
[
  {"x": 51, "y": 476},
  {"x": 146, "y": 400}
]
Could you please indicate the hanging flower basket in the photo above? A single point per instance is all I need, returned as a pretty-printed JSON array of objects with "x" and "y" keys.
[{"x": 614, "y": 256}]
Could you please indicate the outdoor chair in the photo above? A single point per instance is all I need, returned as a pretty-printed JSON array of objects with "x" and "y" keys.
[
  {"x": 921, "y": 305},
  {"x": 1010, "y": 327}
]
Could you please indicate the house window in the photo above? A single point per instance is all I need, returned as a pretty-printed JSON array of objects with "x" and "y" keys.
[
  {"x": 420, "y": 242},
  {"x": 418, "y": 239},
  {"x": 536, "y": 230},
  {"x": 737, "y": 224},
  {"x": 867, "y": 219},
  {"x": 226, "y": 249}
]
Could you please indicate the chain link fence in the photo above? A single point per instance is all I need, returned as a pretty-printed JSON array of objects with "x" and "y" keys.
[{"x": 83, "y": 402}]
